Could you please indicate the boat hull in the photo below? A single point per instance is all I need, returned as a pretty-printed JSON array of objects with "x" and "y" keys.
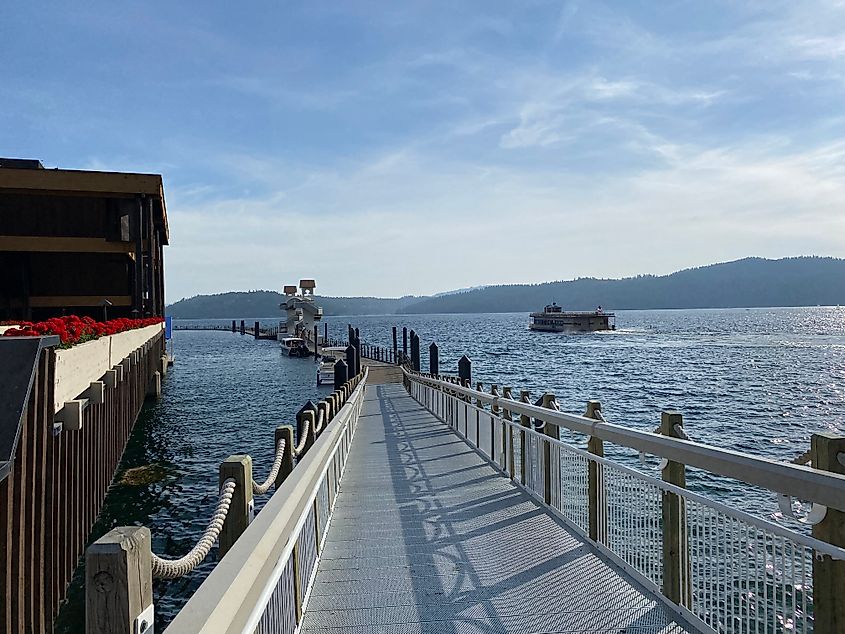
[{"x": 575, "y": 323}]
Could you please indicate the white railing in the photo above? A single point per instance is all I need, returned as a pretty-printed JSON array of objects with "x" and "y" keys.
[
  {"x": 263, "y": 583},
  {"x": 719, "y": 567}
]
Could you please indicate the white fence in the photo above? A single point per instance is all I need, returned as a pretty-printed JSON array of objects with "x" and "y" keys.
[
  {"x": 722, "y": 568},
  {"x": 263, "y": 582}
]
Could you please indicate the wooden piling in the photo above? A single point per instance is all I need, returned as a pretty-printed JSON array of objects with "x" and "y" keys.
[
  {"x": 257, "y": 330},
  {"x": 829, "y": 574},
  {"x": 433, "y": 359},
  {"x": 395, "y": 346},
  {"x": 119, "y": 582},
  {"x": 676, "y": 578},
  {"x": 239, "y": 468},
  {"x": 154, "y": 389},
  {"x": 341, "y": 374}
]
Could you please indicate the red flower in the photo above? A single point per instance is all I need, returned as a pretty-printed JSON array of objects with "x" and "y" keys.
[{"x": 73, "y": 329}]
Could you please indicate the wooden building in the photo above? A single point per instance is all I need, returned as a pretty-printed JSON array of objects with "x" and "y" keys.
[{"x": 80, "y": 242}]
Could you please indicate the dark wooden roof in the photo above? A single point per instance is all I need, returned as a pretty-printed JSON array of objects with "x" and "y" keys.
[{"x": 87, "y": 183}]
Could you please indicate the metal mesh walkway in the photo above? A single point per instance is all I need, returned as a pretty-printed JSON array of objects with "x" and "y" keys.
[{"x": 428, "y": 537}]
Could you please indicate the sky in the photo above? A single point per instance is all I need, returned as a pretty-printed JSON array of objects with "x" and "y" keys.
[{"x": 392, "y": 148}]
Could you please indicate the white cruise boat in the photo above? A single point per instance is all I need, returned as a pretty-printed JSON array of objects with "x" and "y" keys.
[
  {"x": 555, "y": 319},
  {"x": 330, "y": 356}
]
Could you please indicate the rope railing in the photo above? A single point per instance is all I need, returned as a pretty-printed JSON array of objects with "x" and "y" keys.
[
  {"x": 174, "y": 568},
  {"x": 299, "y": 448},
  {"x": 261, "y": 489}
]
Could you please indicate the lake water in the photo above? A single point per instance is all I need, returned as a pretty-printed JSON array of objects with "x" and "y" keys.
[{"x": 759, "y": 380}]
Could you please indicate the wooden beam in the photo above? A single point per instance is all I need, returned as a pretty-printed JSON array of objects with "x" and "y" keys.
[
  {"x": 51, "y": 244},
  {"x": 81, "y": 181},
  {"x": 61, "y": 301}
]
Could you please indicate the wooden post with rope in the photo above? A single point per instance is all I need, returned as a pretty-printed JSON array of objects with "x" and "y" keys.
[{"x": 239, "y": 468}]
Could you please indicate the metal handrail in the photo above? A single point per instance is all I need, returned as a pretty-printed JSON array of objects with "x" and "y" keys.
[
  {"x": 236, "y": 592},
  {"x": 798, "y": 481}
]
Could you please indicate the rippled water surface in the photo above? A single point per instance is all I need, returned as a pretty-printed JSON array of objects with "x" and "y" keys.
[{"x": 760, "y": 381}]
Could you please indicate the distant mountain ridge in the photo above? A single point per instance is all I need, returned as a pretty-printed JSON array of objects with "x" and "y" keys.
[{"x": 750, "y": 282}]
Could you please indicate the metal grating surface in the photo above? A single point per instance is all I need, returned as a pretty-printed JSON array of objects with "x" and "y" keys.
[{"x": 426, "y": 536}]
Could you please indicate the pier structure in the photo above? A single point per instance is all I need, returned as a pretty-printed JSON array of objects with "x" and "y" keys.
[
  {"x": 72, "y": 244},
  {"x": 64, "y": 422},
  {"x": 433, "y": 506}
]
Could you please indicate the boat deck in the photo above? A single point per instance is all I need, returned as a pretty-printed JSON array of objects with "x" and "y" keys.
[{"x": 428, "y": 537}]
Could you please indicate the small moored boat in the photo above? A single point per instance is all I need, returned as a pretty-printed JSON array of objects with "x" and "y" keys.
[
  {"x": 295, "y": 347},
  {"x": 554, "y": 319},
  {"x": 330, "y": 356}
]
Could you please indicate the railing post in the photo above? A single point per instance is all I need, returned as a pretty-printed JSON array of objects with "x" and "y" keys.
[
  {"x": 494, "y": 410},
  {"x": 827, "y": 453},
  {"x": 507, "y": 432},
  {"x": 552, "y": 431},
  {"x": 239, "y": 468},
  {"x": 433, "y": 359},
  {"x": 284, "y": 432},
  {"x": 525, "y": 422},
  {"x": 119, "y": 582},
  {"x": 595, "y": 481},
  {"x": 676, "y": 579}
]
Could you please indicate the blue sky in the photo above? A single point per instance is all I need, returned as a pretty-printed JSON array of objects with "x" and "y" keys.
[{"x": 387, "y": 148}]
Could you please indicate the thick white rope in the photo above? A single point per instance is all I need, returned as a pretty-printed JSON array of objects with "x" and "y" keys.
[
  {"x": 298, "y": 449},
  {"x": 173, "y": 568},
  {"x": 261, "y": 489}
]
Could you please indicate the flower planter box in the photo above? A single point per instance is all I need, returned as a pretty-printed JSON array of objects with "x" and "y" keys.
[{"x": 79, "y": 366}]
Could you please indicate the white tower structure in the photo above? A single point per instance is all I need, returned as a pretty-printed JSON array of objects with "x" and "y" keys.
[{"x": 301, "y": 311}]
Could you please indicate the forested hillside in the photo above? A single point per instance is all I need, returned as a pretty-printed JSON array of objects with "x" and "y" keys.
[{"x": 804, "y": 281}]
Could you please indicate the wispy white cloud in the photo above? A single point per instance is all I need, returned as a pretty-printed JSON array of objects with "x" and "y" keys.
[{"x": 423, "y": 146}]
